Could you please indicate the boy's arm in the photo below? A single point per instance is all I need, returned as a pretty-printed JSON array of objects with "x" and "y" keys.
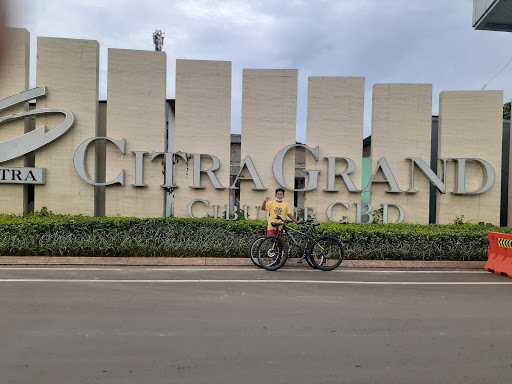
[
  {"x": 292, "y": 216},
  {"x": 264, "y": 205}
]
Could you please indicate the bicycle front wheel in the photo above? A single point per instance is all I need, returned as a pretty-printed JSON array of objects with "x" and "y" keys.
[
  {"x": 271, "y": 255},
  {"x": 254, "y": 251},
  {"x": 309, "y": 257},
  {"x": 327, "y": 253}
]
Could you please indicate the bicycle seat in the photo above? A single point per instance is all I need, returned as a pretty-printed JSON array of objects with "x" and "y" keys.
[{"x": 276, "y": 225}]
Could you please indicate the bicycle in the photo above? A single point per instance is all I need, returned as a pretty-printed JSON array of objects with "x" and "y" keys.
[{"x": 320, "y": 252}]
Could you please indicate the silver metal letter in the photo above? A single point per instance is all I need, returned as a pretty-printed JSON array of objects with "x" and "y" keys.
[
  {"x": 460, "y": 180},
  {"x": 309, "y": 213},
  {"x": 364, "y": 210},
  {"x": 79, "y": 161},
  {"x": 254, "y": 176},
  {"x": 345, "y": 175},
  {"x": 198, "y": 171},
  {"x": 190, "y": 208},
  {"x": 385, "y": 213},
  {"x": 278, "y": 168},
  {"x": 170, "y": 161},
  {"x": 37, "y": 138},
  {"x": 389, "y": 177},
  {"x": 429, "y": 174},
  {"x": 330, "y": 211},
  {"x": 245, "y": 211},
  {"x": 139, "y": 168}
]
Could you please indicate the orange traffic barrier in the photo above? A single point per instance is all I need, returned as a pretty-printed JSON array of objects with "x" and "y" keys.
[{"x": 499, "y": 254}]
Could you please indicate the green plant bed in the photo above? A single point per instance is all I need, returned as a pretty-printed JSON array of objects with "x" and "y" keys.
[{"x": 56, "y": 235}]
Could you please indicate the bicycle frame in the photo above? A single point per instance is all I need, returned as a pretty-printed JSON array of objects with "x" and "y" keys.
[{"x": 292, "y": 233}]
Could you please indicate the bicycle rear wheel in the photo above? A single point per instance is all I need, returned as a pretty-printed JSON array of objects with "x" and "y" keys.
[
  {"x": 327, "y": 253},
  {"x": 254, "y": 251},
  {"x": 271, "y": 255}
]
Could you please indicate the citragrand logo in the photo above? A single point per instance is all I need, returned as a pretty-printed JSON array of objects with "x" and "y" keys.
[
  {"x": 31, "y": 141},
  {"x": 383, "y": 173}
]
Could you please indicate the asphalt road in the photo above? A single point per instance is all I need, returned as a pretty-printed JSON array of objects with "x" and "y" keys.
[{"x": 242, "y": 325}]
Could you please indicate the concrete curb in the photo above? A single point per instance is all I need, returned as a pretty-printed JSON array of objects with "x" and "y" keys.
[{"x": 224, "y": 262}]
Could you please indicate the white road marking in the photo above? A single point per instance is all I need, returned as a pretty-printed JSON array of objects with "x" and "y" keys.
[
  {"x": 201, "y": 281},
  {"x": 203, "y": 269},
  {"x": 58, "y": 269},
  {"x": 335, "y": 271}
]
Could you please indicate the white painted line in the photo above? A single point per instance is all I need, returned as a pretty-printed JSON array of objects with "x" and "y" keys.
[
  {"x": 200, "y": 281},
  {"x": 456, "y": 271},
  {"x": 58, "y": 269},
  {"x": 416, "y": 271},
  {"x": 203, "y": 269},
  {"x": 132, "y": 269}
]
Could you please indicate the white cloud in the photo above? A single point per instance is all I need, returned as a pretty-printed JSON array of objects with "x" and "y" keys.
[
  {"x": 233, "y": 12},
  {"x": 383, "y": 40}
]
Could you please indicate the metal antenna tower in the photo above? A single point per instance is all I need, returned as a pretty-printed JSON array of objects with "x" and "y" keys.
[{"x": 158, "y": 40}]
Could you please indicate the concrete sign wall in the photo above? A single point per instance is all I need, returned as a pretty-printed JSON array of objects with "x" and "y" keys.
[
  {"x": 14, "y": 77},
  {"x": 203, "y": 126},
  {"x": 402, "y": 124},
  {"x": 136, "y": 113},
  {"x": 335, "y": 124},
  {"x": 470, "y": 126},
  {"x": 69, "y": 69},
  {"x": 151, "y": 157},
  {"x": 269, "y": 115}
]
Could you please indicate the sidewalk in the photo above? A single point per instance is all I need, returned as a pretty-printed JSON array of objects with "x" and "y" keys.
[{"x": 224, "y": 262}]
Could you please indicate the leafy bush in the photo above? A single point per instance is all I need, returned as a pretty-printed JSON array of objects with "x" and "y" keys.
[{"x": 56, "y": 235}]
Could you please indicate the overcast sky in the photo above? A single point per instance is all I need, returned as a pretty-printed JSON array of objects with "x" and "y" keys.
[{"x": 417, "y": 41}]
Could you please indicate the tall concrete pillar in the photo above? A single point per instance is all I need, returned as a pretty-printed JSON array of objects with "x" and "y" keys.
[
  {"x": 269, "y": 114},
  {"x": 203, "y": 120},
  {"x": 136, "y": 112},
  {"x": 335, "y": 124},
  {"x": 402, "y": 124},
  {"x": 470, "y": 125},
  {"x": 14, "y": 78},
  {"x": 69, "y": 68}
]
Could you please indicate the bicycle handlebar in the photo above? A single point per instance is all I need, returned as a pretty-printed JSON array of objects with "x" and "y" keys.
[{"x": 305, "y": 222}]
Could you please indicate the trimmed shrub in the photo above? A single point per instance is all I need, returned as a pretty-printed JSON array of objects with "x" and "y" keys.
[{"x": 60, "y": 235}]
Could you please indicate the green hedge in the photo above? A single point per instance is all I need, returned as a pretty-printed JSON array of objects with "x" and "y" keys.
[{"x": 57, "y": 235}]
